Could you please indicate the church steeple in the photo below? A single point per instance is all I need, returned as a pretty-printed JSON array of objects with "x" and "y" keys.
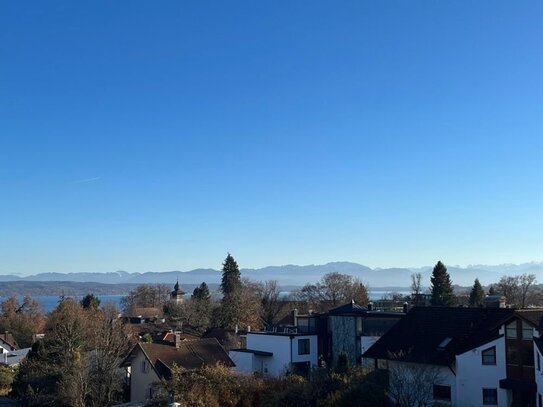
[
  {"x": 176, "y": 286},
  {"x": 177, "y": 294}
]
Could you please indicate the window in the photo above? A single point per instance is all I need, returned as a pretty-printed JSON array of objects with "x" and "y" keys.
[
  {"x": 144, "y": 366},
  {"x": 442, "y": 392},
  {"x": 489, "y": 356},
  {"x": 527, "y": 331},
  {"x": 490, "y": 396},
  {"x": 511, "y": 330},
  {"x": 303, "y": 346},
  {"x": 513, "y": 357},
  {"x": 527, "y": 350}
]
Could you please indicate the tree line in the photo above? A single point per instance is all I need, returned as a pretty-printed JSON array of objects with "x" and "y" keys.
[{"x": 517, "y": 291}]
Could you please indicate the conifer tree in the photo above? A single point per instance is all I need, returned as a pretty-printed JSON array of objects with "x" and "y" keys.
[
  {"x": 201, "y": 302},
  {"x": 201, "y": 293},
  {"x": 231, "y": 276},
  {"x": 442, "y": 292},
  {"x": 476, "y": 295},
  {"x": 231, "y": 287}
]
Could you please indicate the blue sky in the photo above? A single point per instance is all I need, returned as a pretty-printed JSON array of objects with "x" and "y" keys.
[{"x": 154, "y": 136}]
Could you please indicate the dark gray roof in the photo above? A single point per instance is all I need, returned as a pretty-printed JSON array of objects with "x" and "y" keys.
[
  {"x": 253, "y": 351},
  {"x": 348, "y": 309},
  {"x": 14, "y": 357},
  {"x": 434, "y": 335}
]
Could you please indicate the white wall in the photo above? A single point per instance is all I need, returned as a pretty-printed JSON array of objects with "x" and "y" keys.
[
  {"x": 445, "y": 376},
  {"x": 472, "y": 376},
  {"x": 312, "y": 357},
  {"x": 366, "y": 342},
  {"x": 284, "y": 349},
  {"x": 538, "y": 373},
  {"x": 140, "y": 382},
  {"x": 243, "y": 361},
  {"x": 279, "y": 345}
]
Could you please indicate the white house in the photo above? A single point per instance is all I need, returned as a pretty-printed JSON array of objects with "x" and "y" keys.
[
  {"x": 13, "y": 358},
  {"x": 538, "y": 361},
  {"x": 7, "y": 343},
  {"x": 148, "y": 364},
  {"x": 274, "y": 353},
  {"x": 483, "y": 356},
  {"x": 352, "y": 329}
]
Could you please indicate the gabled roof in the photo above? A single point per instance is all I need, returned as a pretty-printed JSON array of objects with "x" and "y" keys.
[
  {"x": 350, "y": 308},
  {"x": 8, "y": 339},
  {"x": 434, "y": 335},
  {"x": 14, "y": 357},
  {"x": 353, "y": 309},
  {"x": 193, "y": 354},
  {"x": 533, "y": 316},
  {"x": 145, "y": 312},
  {"x": 170, "y": 337}
]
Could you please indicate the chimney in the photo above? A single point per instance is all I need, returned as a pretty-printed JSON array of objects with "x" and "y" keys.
[
  {"x": 236, "y": 330},
  {"x": 177, "y": 340},
  {"x": 295, "y": 317},
  {"x": 405, "y": 307},
  {"x": 370, "y": 306},
  {"x": 248, "y": 328}
]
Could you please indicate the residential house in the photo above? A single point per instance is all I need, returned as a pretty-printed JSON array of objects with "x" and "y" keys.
[
  {"x": 148, "y": 364},
  {"x": 7, "y": 342},
  {"x": 352, "y": 329},
  {"x": 484, "y": 356},
  {"x": 13, "y": 358},
  {"x": 275, "y": 353},
  {"x": 304, "y": 341}
]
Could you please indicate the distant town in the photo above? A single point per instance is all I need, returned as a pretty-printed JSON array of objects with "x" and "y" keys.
[{"x": 244, "y": 342}]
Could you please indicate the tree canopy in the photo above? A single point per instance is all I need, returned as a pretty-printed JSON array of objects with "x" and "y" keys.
[
  {"x": 476, "y": 295},
  {"x": 231, "y": 287},
  {"x": 441, "y": 286},
  {"x": 231, "y": 276}
]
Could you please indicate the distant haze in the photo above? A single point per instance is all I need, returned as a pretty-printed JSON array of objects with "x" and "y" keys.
[{"x": 293, "y": 275}]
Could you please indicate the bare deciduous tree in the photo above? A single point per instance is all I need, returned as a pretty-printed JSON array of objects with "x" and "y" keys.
[
  {"x": 334, "y": 289},
  {"x": 411, "y": 384},
  {"x": 269, "y": 298},
  {"x": 416, "y": 283},
  {"x": 526, "y": 282},
  {"x": 508, "y": 286},
  {"x": 146, "y": 295}
]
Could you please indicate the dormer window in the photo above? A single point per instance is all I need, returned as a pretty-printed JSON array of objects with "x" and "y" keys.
[
  {"x": 488, "y": 356},
  {"x": 444, "y": 343}
]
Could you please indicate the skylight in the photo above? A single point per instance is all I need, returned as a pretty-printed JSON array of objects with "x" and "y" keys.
[{"x": 444, "y": 343}]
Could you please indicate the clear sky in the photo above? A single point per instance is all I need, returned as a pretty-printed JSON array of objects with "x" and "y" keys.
[{"x": 159, "y": 135}]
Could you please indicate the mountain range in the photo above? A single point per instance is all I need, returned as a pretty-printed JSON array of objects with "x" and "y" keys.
[{"x": 293, "y": 275}]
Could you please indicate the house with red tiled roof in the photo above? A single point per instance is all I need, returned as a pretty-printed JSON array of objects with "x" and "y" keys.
[{"x": 148, "y": 364}]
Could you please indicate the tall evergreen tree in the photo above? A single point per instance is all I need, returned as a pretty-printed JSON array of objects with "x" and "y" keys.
[
  {"x": 476, "y": 295},
  {"x": 442, "y": 292},
  {"x": 231, "y": 287},
  {"x": 201, "y": 293},
  {"x": 201, "y": 305},
  {"x": 231, "y": 276}
]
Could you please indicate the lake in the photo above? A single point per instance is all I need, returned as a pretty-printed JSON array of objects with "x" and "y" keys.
[{"x": 49, "y": 302}]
